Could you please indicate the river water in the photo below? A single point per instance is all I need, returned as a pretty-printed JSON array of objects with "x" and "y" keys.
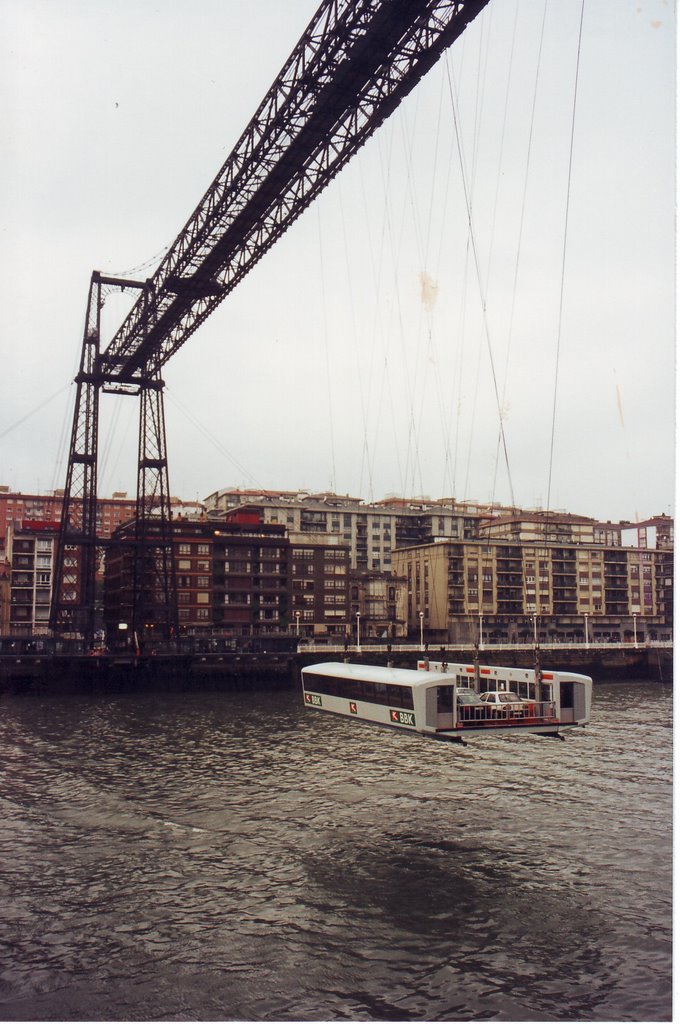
[{"x": 233, "y": 857}]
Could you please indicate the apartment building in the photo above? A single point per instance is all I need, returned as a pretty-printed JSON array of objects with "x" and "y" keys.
[
  {"x": 241, "y": 577},
  {"x": 371, "y": 531},
  {"x": 377, "y": 605},
  {"x": 657, "y": 532},
  {"x": 509, "y": 592},
  {"x": 320, "y": 586},
  {"x": 16, "y": 507},
  {"x": 5, "y": 591},
  {"x": 523, "y": 527},
  {"x": 232, "y": 579},
  {"x": 31, "y": 546},
  {"x": 112, "y": 512}
]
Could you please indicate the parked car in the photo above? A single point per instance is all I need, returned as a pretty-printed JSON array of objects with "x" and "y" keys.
[
  {"x": 503, "y": 699},
  {"x": 466, "y": 695}
]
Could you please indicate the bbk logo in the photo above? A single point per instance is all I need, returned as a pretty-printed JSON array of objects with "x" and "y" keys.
[{"x": 402, "y": 717}]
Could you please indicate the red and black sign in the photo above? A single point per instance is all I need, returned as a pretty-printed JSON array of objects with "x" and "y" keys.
[{"x": 353, "y": 708}]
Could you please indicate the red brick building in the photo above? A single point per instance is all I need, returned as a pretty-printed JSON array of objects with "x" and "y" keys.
[
  {"x": 320, "y": 586},
  {"x": 16, "y": 507},
  {"x": 233, "y": 579}
]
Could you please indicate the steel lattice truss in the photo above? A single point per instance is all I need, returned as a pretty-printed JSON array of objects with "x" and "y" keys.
[
  {"x": 355, "y": 63},
  {"x": 352, "y": 67}
]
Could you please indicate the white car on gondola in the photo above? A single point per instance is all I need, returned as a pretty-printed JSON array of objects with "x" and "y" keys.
[{"x": 502, "y": 699}]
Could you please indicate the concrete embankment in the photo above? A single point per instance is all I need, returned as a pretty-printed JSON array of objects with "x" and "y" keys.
[
  {"x": 49, "y": 674},
  {"x": 55, "y": 674}
]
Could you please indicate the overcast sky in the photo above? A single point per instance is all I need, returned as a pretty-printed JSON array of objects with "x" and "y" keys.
[{"x": 360, "y": 354}]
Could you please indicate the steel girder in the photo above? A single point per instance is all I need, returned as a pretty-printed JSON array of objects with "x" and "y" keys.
[{"x": 352, "y": 67}]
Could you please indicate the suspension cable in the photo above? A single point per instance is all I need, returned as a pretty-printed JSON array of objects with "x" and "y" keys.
[
  {"x": 324, "y": 332},
  {"x": 564, "y": 258},
  {"x": 511, "y": 323},
  {"x": 480, "y": 284},
  {"x": 28, "y": 415},
  {"x": 209, "y": 436}
]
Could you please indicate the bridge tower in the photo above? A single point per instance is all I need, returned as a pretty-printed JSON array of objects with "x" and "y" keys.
[{"x": 152, "y": 604}]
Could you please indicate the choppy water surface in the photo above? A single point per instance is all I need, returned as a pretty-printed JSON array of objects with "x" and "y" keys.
[{"x": 231, "y": 857}]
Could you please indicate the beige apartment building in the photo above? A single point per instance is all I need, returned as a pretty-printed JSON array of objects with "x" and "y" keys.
[
  {"x": 31, "y": 546},
  {"x": 377, "y": 606},
  {"x": 514, "y": 592},
  {"x": 523, "y": 527}
]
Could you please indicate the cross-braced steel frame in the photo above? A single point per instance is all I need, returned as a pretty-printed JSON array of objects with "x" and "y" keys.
[
  {"x": 153, "y": 604},
  {"x": 73, "y": 584},
  {"x": 353, "y": 65},
  {"x": 154, "y": 600}
]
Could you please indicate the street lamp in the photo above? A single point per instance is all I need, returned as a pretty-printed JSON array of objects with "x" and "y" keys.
[
  {"x": 358, "y": 632},
  {"x": 586, "y": 618},
  {"x": 635, "y": 629},
  {"x": 481, "y": 633},
  {"x": 422, "y": 616},
  {"x": 535, "y": 631},
  {"x": 297, "y": 623}
]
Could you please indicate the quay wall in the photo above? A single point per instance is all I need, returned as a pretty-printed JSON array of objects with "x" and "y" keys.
[
  {"x": 51, "y": 674},
  {"x": 158, "y": 673}
]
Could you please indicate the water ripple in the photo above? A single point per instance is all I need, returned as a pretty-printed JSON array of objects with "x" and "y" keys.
[{"x": 212, "y": 856}]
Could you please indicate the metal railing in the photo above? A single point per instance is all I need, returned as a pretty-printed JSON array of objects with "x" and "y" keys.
[
  {"x": 284, "y": 643},
  {"x": 436, "y": 649},
  {"x": 493, "y": 714}
]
